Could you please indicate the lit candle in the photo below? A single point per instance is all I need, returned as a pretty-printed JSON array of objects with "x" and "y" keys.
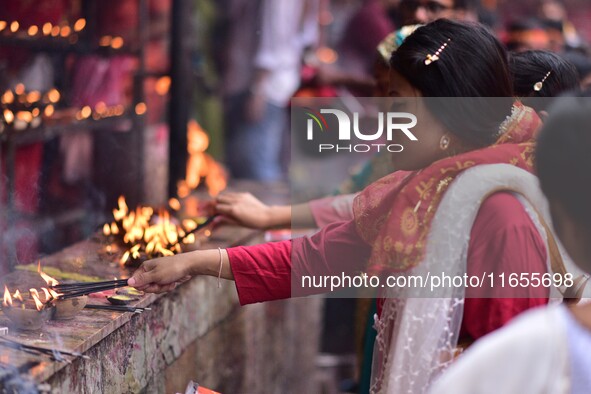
[
  {"x": 14, "y": 26},
  {"x": 100, "y": 107},
  {"x": 33, "y": 30},
  {"x": 47, "y": 28},
  {"x": 80, "y": 24},
  {"x": 25, "y": 116},
  {"x": 116, "y": 42},
  {"x": 19, "y": 89},
  {"x": 53, "y": 96},
  {"x": 2, "y": 25},
  {"x": 8, "y": 116},
  {"x": 33, "y": 96},
  {"x": 65, "y": 31},
  {"x": 140, "y": 108},
  {"x": 48, "y": 111},
  {"x": 7, "y": 97},
  {"x": 105, "y": 41},
  {"x": 162, "y": 85},
  {"x": 86, "y": 112}
]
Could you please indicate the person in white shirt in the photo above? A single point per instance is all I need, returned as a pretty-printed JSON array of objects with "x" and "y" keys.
[{"x": 265, "y": 46}]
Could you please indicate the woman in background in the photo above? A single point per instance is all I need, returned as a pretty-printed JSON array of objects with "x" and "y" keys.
[{"x": 540, "y": 75}]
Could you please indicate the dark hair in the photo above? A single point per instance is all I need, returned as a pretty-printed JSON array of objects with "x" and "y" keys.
[
  {"x": 530, "y": 67},
  {"x": 580, "y": 60},
  {"x": 473, "y": 64},
  {"x": 563, "y": 160},
  {"x": 516, "y": 28}
]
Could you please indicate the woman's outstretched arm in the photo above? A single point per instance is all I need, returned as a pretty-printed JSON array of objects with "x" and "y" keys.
[{"x": 263, "y": 272}]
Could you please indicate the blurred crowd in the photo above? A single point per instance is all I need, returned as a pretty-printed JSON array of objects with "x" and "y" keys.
[{"x": 270, "y": 51}]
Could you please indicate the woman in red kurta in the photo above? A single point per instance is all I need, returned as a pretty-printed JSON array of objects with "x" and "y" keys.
[{"x": 396, "y": 216}]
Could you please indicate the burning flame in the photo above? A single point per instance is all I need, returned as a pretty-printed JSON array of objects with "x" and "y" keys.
[
  {"x": 174, "y": 204},
  {"x": 47, "y": 294},
  {"x": 200, "y": 164},
  {"x": 122, "y": 210},
  {"x": 38, "y": 303},
  {"x": 80, "y": 24},
  {"x": 154, "y": 236},
  {"x": 48, "y": 279},
  {"x": 17, "y": 295},
  {"x": 7, "y": 298},
  {"x": 54, "y": 294},
  {"x": 161, "y": 237},
  {"x": 35, "y": 295}
]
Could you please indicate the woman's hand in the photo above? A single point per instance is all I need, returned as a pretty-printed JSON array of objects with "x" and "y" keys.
[
  {"x": 245, "y": 209},
  {"x": 162, "y": 274},
  {"x": 165, "y": 273}
]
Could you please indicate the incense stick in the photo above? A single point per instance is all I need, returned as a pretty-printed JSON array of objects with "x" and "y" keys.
[
  {"x": 71, "y": 290},
  {"x": 117, "y": 308},
  {"x": 85, "y": 291},
  {"x": 50, "y": 352},
  {"x": 88, "y": 284}
]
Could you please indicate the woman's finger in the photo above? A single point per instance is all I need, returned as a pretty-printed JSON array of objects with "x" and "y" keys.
[
  {"x": 224, "y": 209},
  {"x": 227, "y": 198}
]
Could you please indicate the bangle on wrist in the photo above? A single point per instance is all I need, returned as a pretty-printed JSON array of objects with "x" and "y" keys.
[{"x": 220, "y": 270}]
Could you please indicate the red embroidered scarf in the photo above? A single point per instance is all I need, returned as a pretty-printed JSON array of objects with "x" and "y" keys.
[{"x": 394, "y": 214}]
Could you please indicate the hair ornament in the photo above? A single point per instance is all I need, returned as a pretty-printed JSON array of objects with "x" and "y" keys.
[
  {"x": 434, "y": 57},
  {"x": 540, "y": 84}
]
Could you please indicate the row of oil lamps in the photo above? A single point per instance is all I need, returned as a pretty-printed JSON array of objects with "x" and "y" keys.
[
  {"x": 47, "y": 29},
  {"x": 19, "y": 310},
  {"x": 137, "y": 227},
  {"x": 62, "y": 30},
  {"x": 148, "y": 235},
  {"x": 22, "y": 109}
]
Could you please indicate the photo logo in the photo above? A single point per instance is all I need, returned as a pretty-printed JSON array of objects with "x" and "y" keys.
[
  {"x": 316, "y": 117},
  {"x": 390, "y": 122}
]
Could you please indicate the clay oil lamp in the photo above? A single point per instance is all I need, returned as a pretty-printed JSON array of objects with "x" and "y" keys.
[
  {"x": 26, "y": 315},
  {"x": 65, "y": 309}
]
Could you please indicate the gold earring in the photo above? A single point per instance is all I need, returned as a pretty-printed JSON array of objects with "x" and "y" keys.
[{"x": 444, "y": 142}]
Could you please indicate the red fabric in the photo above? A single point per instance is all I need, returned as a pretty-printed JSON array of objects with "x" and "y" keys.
[
  {"x": 503, "y": 239},
  {"x": 262, "y": 272},
  {"x": 27, "y": 171},
  {"x": 36, "y": 12},
  {"x": 394, "y": 214},
  {"x": 373, "y": 21},
  {"x": 28, "y": 13},
  {"x": 265, "y": 272}
]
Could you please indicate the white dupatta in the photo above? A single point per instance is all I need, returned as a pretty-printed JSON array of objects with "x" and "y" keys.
[
  {"x": 529, "y": 356},
  {"x": 418, "y": 336}
]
